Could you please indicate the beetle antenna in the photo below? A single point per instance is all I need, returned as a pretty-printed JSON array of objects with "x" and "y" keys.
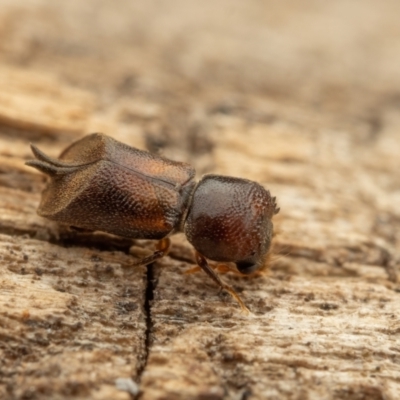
[{"x": 276, "y": 208}]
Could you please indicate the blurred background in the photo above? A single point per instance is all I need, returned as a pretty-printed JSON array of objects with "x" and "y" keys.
[
  {"x": 188, "y": 57},
  {"x": 324, "y": 53},
  {"x": 293, "y": 92}
]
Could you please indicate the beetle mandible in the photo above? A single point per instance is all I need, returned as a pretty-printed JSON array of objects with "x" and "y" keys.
[{"x": 101, "y": 184}]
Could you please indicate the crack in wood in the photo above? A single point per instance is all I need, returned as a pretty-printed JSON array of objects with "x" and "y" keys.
[{"x": 149, "y": 297}]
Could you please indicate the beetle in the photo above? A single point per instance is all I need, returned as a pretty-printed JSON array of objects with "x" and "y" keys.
[{"x": 101, "y": 184}]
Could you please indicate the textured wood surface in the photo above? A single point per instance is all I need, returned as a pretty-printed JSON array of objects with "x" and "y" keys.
[{"x": 301, "y": 97}]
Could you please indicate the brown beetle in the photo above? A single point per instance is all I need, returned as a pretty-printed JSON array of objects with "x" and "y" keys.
[{"x": 100, "y": 184}]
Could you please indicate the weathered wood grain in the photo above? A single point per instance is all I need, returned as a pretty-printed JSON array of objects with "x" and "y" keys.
[
  {"x": 301, "y": 97},
  {"x": 325, "y": 318}
]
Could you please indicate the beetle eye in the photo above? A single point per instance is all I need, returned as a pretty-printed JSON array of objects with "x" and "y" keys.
[{"x": 246, "y": 267}]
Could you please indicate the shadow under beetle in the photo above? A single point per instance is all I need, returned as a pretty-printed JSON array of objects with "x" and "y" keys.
[{"x": 100, "y": 184}]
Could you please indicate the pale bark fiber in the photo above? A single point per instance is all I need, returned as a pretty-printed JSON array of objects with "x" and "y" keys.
[{"x": 289, "y": 99}]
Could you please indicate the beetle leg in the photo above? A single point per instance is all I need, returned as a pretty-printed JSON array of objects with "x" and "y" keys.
[
  {"x": 162, "y": 247},
  {"x": 193, "y": 270},
  {"x": 221, "y": 268},
  {"x": 225, "y": 268},
  {"x": 203, "y": 264}
]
